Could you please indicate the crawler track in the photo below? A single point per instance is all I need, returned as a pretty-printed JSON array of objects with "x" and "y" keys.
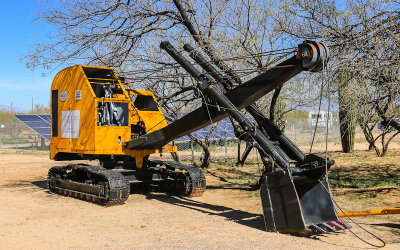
[
  {"x": 91, "y": 183},
  {"x": 189, "y": 181},
  {"x": 111, "y": 187}
]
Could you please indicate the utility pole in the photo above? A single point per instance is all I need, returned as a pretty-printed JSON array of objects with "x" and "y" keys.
[
  {"x": 32, "y": 104},
  {"x": 11, "y": 107}
]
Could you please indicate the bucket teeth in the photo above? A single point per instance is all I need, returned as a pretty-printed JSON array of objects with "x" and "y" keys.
[
  {"x": 316, "y": 229},
  {"x": 335, "y": 224},
  {"x": 327, "y": 227},
  {"x": 344, "y": 224}
]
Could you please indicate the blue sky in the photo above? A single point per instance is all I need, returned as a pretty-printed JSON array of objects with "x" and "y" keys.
[
  {"x": 17, "y": 83},
  {"x": 19, "y": 32}
]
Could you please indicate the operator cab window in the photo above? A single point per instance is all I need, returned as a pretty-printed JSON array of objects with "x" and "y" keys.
[
  {"x": 144, "y": 103},
  {"x": 103, "y": 81}
]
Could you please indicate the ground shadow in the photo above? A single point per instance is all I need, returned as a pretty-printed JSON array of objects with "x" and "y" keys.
[
  {"x": 244, "y": 218},
  {"x": 26, "y": 185},
  {"x": 390, "y": 225},
  {"x": 251, "y": 220},
  {"x": 243, "y": 188},
  {"x": 21, "y": 184},
  {"x": 40, "y": 184}
]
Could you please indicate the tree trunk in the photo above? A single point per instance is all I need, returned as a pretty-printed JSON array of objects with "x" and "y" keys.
[
  {"x": 175, "y": 156},
  {"x": 371, "y": 146},
  {"x": 274, "y": 100},
  {"x": 347, "y": 115},
  {"x": 205, "y": 158},
  {"x": 242, "y": 159},
  {"x": 347, "y": 130}
]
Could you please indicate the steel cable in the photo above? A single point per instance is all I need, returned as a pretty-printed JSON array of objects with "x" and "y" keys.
[{"x": 325, "y": 69}]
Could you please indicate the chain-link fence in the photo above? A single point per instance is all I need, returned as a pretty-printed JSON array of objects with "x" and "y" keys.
[
  {"x": 299, "y": 130},
  {"x": 15, "y": 134},
  {"x": 222, "y": 141}
]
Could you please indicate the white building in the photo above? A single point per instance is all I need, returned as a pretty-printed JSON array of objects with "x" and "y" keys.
[{"x": 322, "y": 119}]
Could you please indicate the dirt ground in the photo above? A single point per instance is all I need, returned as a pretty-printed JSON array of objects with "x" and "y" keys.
[{"x": 224, "y": 217}]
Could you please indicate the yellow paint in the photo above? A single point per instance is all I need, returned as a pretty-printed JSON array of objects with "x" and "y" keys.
[
  {"x": 154, "y": 120},
  {"x": 390, "y": 210},
  {"x": 94, "y": 139}
]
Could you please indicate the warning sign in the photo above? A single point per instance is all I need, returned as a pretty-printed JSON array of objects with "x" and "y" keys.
[
  {"x": 70, "y": 124},
  {"x": 78, "y": 94}
]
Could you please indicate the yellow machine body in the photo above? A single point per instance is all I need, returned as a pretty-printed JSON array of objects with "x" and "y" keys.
[{"x": 79, "y": 97}]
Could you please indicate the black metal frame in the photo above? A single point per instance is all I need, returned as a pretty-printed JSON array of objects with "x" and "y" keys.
[{"x": 295, "y": 199}]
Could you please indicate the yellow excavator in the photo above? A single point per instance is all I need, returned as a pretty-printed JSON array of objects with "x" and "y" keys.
[{"x": 97, "y": 116}]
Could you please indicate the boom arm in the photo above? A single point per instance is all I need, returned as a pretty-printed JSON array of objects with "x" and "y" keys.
[
  {"x": 309, "y": 56},
  {"x": 263, "y": 122}
]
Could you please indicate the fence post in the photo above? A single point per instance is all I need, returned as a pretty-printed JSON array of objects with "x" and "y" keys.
[
  {"x": 295, "y": 130},
  {"x": 238, "y": 155},
  {"x": 16, "y": 133},
  {"x": 191, "y": 147},
  {"x": 226, "y": 150}
]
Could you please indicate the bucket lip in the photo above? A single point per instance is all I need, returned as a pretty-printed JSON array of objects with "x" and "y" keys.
[{"x": 280, "y": 191}]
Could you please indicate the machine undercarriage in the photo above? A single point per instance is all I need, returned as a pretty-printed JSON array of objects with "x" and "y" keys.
[{"x": 110, "y": 187}]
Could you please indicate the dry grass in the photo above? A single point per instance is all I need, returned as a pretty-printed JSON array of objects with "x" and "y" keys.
[{"x": 358, "y": 180}]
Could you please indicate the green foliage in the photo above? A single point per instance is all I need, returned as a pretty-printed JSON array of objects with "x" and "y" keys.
[
  {"x": 297, "y": 114},
  {"x": 280, "y": 114},
  {"x": 41, "y": 109},
  {"x": 5, "y": 117},
  {"x": 365, "y": 197}
]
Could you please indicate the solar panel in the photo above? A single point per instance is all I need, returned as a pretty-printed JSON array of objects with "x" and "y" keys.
[
  {"x": 39, "y": 123},
  {"x": 224, "y": 129}
]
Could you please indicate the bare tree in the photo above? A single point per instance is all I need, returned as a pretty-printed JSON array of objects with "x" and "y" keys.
[
  {"x": 380, "y": 106},
  {"x": 240, "y": 37},
  {"x": 363, "y": 36}
]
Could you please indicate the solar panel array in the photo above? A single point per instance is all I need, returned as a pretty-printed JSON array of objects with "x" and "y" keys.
[
  {"x": 224, "y": 129},
  {"x": 41, "y": 124}
]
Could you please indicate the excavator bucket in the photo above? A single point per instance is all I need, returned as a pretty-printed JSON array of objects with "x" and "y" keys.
[{"x": 298, "y": 204}]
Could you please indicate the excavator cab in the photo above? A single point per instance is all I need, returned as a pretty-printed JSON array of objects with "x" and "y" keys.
[{"x": 146, "y": 116}]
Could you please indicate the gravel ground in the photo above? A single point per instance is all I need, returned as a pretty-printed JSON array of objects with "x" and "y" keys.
[{"x": 223, "y": 217}]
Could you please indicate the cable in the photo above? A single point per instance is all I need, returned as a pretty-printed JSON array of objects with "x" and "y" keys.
[
  {"x": 208, "y": 112},
  {"x": 365, "y": 230},
  {"x": 281, "y": 52},
  {"x": 246, "y": 71},
  {"x": 325, "y": 69},
  {"x": 318, "y": 114},
  {"x": 241, "y": 72}
]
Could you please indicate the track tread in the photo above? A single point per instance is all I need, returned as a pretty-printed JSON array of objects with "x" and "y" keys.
[
  {"x": 114, "y": 188},
  {"x": 195, "y": 183}
]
